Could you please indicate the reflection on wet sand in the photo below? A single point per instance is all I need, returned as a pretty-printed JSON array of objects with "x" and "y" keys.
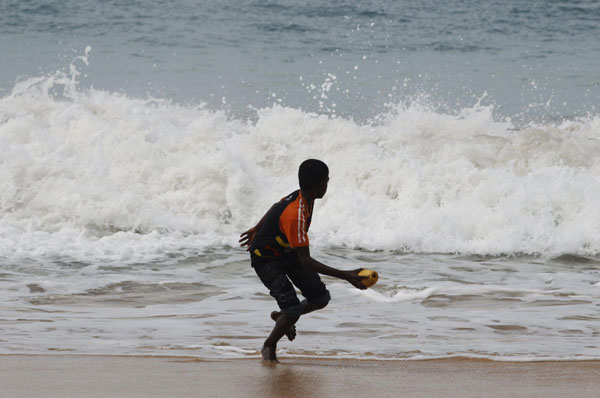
[{"x": 284, "y": 380}]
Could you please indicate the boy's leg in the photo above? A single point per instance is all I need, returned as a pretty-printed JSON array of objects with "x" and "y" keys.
[
  {"x": 310, "y": 284},
  {"x": 312, "y": 287},
  {"x": 291, "y": 332},
  {"x": 307, "y": 306},
  {"x": 282, "y": 325},
  {"x": 273, "y": 276}
]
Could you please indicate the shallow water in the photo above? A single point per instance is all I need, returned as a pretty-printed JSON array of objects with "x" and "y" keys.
[{"x": 213, "y": 305}]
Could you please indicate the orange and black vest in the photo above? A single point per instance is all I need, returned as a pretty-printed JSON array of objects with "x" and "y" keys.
[{"x": 285, "y": 228}]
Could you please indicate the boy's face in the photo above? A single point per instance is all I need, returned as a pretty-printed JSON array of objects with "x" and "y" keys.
[{"x": 322, "y": 188}]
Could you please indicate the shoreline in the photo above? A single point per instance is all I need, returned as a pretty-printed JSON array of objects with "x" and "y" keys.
[
  {"x": 284, "y": 358},
  {"x": 75, "y": 375}
]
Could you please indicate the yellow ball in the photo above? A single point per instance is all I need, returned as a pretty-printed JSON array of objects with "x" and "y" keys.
[{"x": 372, "y": 277}]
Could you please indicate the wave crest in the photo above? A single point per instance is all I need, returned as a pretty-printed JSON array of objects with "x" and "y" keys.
[{"x": 80, "y": 167}]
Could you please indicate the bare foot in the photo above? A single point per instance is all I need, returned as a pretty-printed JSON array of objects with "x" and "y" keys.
[
  {"x": 291, "y": 332},
  {"x": 268, "y": 354}
]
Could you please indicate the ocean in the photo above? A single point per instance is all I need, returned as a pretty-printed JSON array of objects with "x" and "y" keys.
[{"x": 139, "y": 139}]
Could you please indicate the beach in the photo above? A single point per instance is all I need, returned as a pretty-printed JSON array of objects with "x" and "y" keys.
[{"x": 133, "y": 376}]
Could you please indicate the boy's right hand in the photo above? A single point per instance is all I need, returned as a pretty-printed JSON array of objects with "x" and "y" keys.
[
  {"x": 247, "y": 237},
  {"x": 355, "y": 279}
]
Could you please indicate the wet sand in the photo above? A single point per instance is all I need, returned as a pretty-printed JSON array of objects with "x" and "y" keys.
[{"x": 118, "y": 376}]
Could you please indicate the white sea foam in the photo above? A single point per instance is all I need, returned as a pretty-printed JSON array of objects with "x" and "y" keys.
[
  {"x": 396, "y": 296},
  {"x": 95, "y": 175}
]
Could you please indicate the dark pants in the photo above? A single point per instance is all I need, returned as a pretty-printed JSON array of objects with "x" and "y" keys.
[{"x": 276, "y": 275}]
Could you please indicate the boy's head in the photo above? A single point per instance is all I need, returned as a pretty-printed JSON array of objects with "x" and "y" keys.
[{"x": 313, "y": 174}]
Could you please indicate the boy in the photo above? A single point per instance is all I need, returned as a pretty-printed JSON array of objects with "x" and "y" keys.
[{"x": 279, "y": 252}]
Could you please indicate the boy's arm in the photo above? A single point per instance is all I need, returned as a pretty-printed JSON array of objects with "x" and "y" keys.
[
  {"x": 247, "y": 237},
  {"x": 309, "y": 262}
]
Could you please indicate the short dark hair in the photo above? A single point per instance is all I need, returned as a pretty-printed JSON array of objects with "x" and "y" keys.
[{"x": 311, "y": 173}]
